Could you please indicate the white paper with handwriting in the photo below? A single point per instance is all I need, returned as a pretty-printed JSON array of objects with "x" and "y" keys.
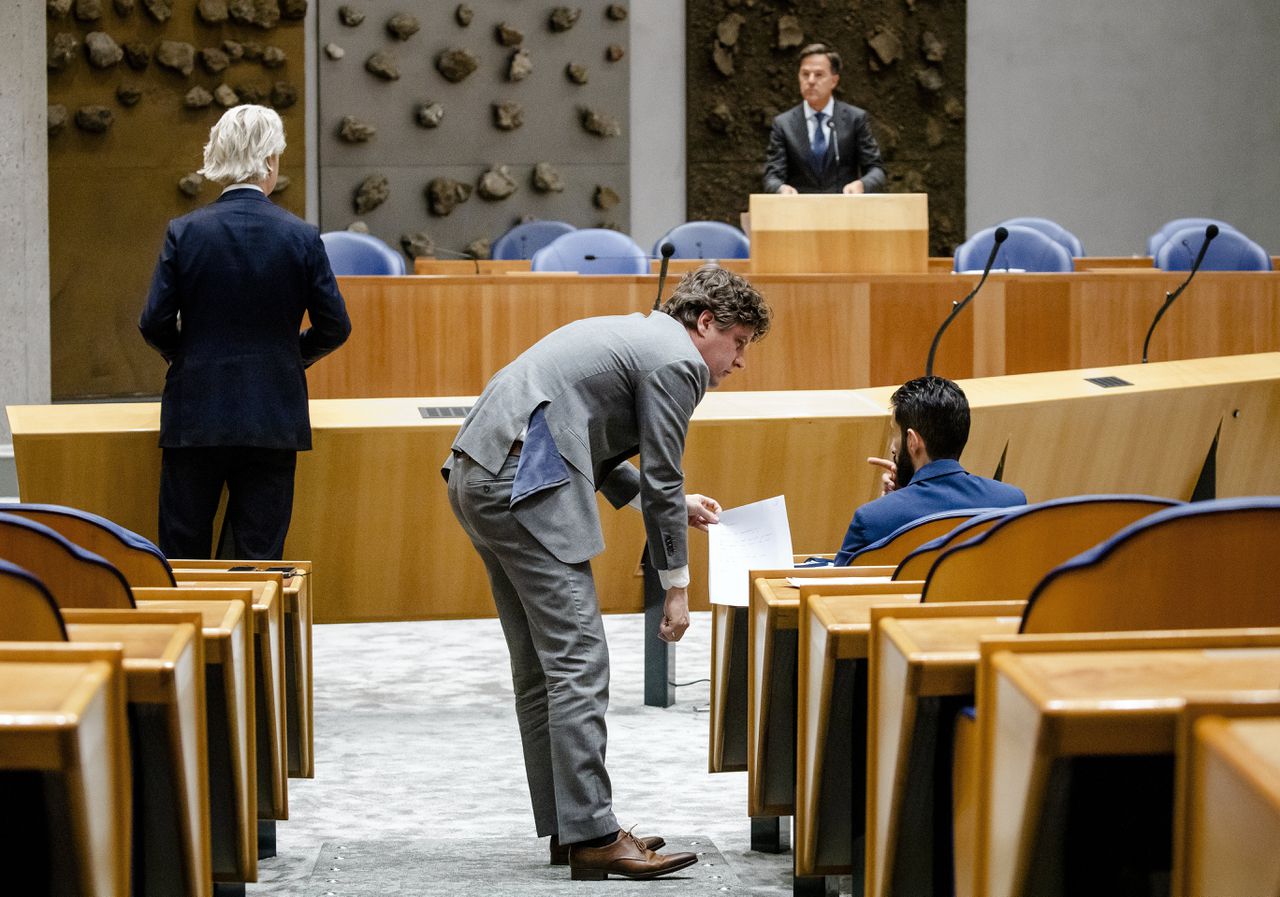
[{"x": 753, "y": 536}]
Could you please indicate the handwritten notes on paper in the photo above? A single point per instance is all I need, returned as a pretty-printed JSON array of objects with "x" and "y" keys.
[{"x": 753, "y": 536}]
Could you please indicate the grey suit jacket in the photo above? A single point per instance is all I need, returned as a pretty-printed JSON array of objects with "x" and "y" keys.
[
  {"x": 609, "y": 387},
  {"x": 789, "y": 160}
]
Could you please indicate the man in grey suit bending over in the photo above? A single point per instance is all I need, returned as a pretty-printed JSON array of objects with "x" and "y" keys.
[
  {"x": 550, "y": 429},
  {"x": 822, "y": 145}
]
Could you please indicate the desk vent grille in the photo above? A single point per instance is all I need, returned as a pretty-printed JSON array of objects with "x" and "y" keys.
[
  {"x": 1107, "y": 382},
  {"x": 432, "y": 411}
]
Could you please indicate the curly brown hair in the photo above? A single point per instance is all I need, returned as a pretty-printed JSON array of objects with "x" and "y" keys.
[{"x": 728, "y": 296}]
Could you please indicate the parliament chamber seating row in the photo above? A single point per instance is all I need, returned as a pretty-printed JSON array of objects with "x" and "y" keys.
[
  {"x": 151, "y": 712},
  {"x": 1010, "y": 704}
]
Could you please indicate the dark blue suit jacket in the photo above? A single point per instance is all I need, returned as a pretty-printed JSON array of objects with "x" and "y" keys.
[
  {"x": 789, "y": 159},
  {"x": 938, "y": 486},
  {"x": 225, "y": 308}
]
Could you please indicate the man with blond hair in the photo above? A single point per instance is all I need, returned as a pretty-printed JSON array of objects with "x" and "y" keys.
[
  {"x": 552, "y": 428},
  {"x": 225, "y": 310}
]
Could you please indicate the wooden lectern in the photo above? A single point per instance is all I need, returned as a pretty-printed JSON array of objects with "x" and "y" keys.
[{"x": 823, "y": 233}]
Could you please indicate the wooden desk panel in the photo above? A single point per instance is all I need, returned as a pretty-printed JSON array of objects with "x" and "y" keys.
[
  {"x": 447, "y": 335},
  {"x": 371, "y": 508}
]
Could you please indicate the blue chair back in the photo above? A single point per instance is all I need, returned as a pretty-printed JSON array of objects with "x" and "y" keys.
[
  {"x": 1229, "y": 251},
  {"x": 353, "y": 253},
  {"x": 1053, "y": 230},
  {"x": 1202, "y": 565},
  {"x": 1160, "y": 237},
  {"x": 523, "y": 240},
  {"x": 1025, "y": 249},
  {"x": 610, "y": 253},
  {"x": 705, "y": 240}
]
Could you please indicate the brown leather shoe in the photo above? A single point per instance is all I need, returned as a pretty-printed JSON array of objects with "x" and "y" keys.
[
  {"x": 627, "y": 857},
  {"x": 560, "y": 852}
]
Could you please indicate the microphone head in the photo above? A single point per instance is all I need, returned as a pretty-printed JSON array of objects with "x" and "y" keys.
[
  {"x": 1211, "y": 231},
  {"x": 1001, "y": 234},
  {"x": 667, "y": 250}
]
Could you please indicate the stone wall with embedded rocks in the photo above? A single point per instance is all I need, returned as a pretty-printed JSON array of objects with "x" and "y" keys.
[
  {"x": 134, "y": 88},
  {"x": 442, "y": 125},
  {"x": 904, "y": 62}
]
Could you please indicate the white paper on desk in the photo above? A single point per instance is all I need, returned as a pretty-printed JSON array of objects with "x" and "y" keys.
[
  {"x": 749, "y": 537},
  {"x": 799, "y": 581}
]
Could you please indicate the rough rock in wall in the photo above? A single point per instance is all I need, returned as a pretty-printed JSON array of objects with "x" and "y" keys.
[{"x": 904, "y": 62}]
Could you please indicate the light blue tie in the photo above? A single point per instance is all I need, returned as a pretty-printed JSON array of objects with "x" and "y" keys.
[{"x": 819, "y": 144}]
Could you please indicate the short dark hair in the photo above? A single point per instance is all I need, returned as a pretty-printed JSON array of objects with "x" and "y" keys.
[
  {"x": 729, "y": 298},
  {"x": 821, "y": 50},
  {"x": 937, "y": 409}
]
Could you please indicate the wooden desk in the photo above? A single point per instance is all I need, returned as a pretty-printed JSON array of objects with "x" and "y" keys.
[
  {"x": 1233, "y": 785},
  {"x": 1036, "y": 707},
  {"x": 66, "y": 720},
  {"x": 375, "y": 463},
  {"x": 831, "y": 722},
  {"x": 447, "y": 335},
  {"x": 463, "y": 267},
  {"x": 164, "y": 675},
  {"x": 922, "y": 660},
  {"x": 298, "y": 616}
]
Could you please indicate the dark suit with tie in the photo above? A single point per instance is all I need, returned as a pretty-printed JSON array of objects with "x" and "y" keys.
[
  {"x": 225, "y": 308},
  {"x": 938, "y": 486},
  {"x": 853, "y": 155}
]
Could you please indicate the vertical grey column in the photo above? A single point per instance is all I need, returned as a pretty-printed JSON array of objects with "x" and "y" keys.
[
  {"x": 657, "y": 119},
  {"x": 24, "y": 215}
]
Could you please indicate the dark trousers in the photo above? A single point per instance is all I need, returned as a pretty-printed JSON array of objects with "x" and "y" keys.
[{"x": 259, "y": 485}]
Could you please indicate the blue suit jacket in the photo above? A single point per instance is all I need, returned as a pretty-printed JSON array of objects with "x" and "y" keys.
[
  {"x": 938, "y": 486},
  {"x": 227, "y": 298},
  {"x": 789, "y": 159}
]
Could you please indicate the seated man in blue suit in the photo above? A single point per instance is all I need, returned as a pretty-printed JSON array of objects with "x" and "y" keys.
[{"x": 932, "y": 415}]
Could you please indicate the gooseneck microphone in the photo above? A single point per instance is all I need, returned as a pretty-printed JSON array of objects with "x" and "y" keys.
[
  {"x": 834, "y": 142},
  {"x": 667, "y": 251},
  {"x": 1000, "y": 236},
  {"x": 1209, "y": 233},
  {"x": 457, "y": 255}
]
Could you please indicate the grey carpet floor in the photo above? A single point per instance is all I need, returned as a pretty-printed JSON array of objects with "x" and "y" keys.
[{"x": 420, "y": 788}]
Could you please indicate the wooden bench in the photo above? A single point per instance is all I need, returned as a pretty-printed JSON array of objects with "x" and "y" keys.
[
  {"x": 64, "y": 733},
  {"x": 1227, "y": 826},
  {"x": 1047, "y": 699},
  {"x": 989, "y": 576},
  {"x": 78, "y": 579}
]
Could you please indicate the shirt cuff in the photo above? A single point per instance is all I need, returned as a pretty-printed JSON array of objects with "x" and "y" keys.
[
  {"x": 674, "y": 579},
  {"x": 635, "y": 503}
]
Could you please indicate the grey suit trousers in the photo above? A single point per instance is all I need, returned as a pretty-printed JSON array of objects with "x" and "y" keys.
[{"x": 559, "y": 656}]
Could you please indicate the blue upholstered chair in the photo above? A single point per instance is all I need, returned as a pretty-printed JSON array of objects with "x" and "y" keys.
[
  {"x": 523, "y": 240},
  {"x": 705, "y": 240},
  {"x": 1053, "y": 230},
  {"x": 1025, "y": 249},
  {"x": 354, "y": 253},
  {"x": 1160, "y": 237},
  {"x": 592, "y": 251},
  {"x": 1229, "y": 251}
]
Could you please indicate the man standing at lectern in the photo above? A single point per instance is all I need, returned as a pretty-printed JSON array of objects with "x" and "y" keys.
[
  {"x": 550, "y": 429},
  {"x": 822, "y": 145}
]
